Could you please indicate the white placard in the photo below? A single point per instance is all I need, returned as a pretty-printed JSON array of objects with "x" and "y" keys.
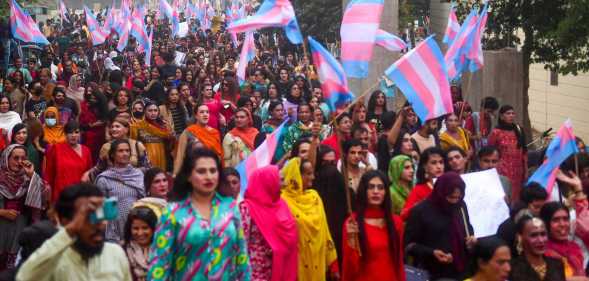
[
  {"x": 485, "y": 200},
  {"x": 180, "y": 58},
  {"x": 182, "y": 29}
]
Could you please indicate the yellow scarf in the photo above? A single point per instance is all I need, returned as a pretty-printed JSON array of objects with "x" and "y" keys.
[
  {"x": 316, "y": 248},
  {"x": 446, "y": 140}
]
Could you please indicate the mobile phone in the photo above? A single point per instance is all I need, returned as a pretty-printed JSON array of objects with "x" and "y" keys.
[{"x": 107, "y": 212}]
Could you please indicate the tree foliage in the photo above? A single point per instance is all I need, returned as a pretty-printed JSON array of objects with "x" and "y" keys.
[
  {"x": 551, "y": 32},
  {"x": 319, "y": 18}
]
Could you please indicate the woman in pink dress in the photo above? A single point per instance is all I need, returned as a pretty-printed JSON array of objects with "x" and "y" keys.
[{"x": 509, "y": 138}]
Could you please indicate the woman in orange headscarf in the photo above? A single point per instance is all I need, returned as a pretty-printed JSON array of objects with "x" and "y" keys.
[
  {"x": 52, "y": 132},
  {"x": 198, "y": 135},
  {"x": 239, "y": 142}
]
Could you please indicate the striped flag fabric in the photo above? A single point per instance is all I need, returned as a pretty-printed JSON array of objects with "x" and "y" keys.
[
  {"x": 389, "y": 41},
  {"x": 148, "y": 50},
  {"x": 358, "y": 34},
  {"x": 138, "y": 30},
  {"x": 124, "y": 36},
  {"x": 98, "y": 33},
  {"x": 172, "y": 14},
  {"x": 422, "y": 77},
  {"x": 560, "y": 148},
  {"x": 261, "y": 157},
  {"x": 452, "y": 28},
  {"x": 63, "y": 11},
  {"x": 23, "y": 27},
  {"x": 456, "y": 55},
  {"x": 475, "y": 55},
  {"x": 332, "y": 76},
  {"x": 248, "y": 53},
  {"x": 272, "y": 13}
]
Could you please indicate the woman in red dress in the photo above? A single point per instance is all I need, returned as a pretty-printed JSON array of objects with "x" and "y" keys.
[
  {"x": 431, "y": 166},
  {"x": 67, "y": 162},
  {"x": 93, "y": 117},
  {"x": 372, "y": 247},
  {"x": 509, "y": 138}
]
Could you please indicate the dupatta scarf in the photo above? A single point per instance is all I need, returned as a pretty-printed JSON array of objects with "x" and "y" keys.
[
  {"x": 272, "y": 216},
  {"x": 316, "y": 248}
]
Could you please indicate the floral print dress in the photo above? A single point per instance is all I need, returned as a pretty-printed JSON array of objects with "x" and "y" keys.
[{"x": 188, "y": 247}]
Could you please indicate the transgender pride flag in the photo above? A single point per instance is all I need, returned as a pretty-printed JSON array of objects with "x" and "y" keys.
[
  {"x": 63, "y": 11},
  {"x": 23, "y": 27},
  {"x": 452, "y": 28},
  {"x": 475, "y": 54},
  {"x": 272, "y": 13},
  {"x": 559, "y": 149},
  {"x": 248, "y": 52},
  {"x": 332, "y": 76},
  {"x": 421, "y": 75},
  {"x": 98, "y": 33},
  {"x": 261, "y": 157},
  {"x": 389, "y": 41},
  {"x": 358, "y": 34},
  {"x": 456, "y": 55}
]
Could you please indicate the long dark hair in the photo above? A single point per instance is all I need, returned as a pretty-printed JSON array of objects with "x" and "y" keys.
[
  {"x": 372, "y": 104},
  {"x": 139, "y": 213},
  {"x": 362, "y": 204},
  {"x": 521, "y": 139},
  {"x": 423, "y": 159},
  {"x": 182, "y": 186}
]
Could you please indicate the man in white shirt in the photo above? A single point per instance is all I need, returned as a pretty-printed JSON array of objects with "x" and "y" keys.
[
  {"x": 77, "y": 251},
  {"x": 424, "y": 137}
]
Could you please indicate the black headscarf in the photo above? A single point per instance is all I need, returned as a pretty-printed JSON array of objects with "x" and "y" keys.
[
  {"x": 445, "y": 185},
  {"x": 502, "y": 125}
]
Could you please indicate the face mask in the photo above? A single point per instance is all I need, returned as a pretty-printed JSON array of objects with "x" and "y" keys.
[
  {"x": 50, "y": 122},
  {"x": 137, "y": 114}
]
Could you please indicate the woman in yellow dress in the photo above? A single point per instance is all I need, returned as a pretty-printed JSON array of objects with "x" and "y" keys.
[
  {"x": 153, "y": 132},
  {"x": 455, "y": 135},
  {"x": 317, "y": 254}
]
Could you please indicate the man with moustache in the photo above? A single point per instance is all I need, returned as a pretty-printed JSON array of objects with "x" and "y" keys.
[{"x": 78, "y": 250}]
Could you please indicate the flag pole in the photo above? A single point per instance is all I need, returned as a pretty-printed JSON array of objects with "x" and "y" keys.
[{"x": 346, "y": 187}]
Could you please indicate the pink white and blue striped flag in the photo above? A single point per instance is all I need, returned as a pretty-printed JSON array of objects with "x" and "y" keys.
[
  {"x": 172, "y": 14},
  {"x": 452, "y": 28},
  {"x": 97, "y": 33},
  {"x": 389, "y": 41},
  {"x": 148, "y": 50},
  {"x": 123, "y": 17},
  {"x": 63, "y": 11},
  {"x": 422, "y": 77},
  {"x": 138, "y": 30},
  {"x": 124, "y": 36},
  {"x": 109, "y": 22},
  {"x": 358, "y": 34},
  {"x": 272, "y": 13},
  {"x": 261, "y": 157},
  {"x": 456, "y": 55},
  {"x": 332, "y": 76},
  {"x": 560, "y": 148},
  {"x": 23, "y": 27},
  {"x": 475, "y": 55},
  {"x": 248, "y": 53}
]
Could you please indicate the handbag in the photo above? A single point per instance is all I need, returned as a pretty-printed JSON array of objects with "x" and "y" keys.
[{"x": 416, "y": 274}]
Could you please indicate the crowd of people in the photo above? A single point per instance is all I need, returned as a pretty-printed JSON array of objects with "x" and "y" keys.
[{"x": 368, "y": 192}]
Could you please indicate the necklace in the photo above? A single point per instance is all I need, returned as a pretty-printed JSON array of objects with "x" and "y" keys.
[{"x": 541, "y": 270}]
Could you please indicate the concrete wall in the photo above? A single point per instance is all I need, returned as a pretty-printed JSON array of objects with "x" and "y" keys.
[
  {"x": 500, "y": 78},
  {"x": 439, "y": 19},
  {"x": 551, "y": 105},
  {"x": 381, "y": 59}
]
